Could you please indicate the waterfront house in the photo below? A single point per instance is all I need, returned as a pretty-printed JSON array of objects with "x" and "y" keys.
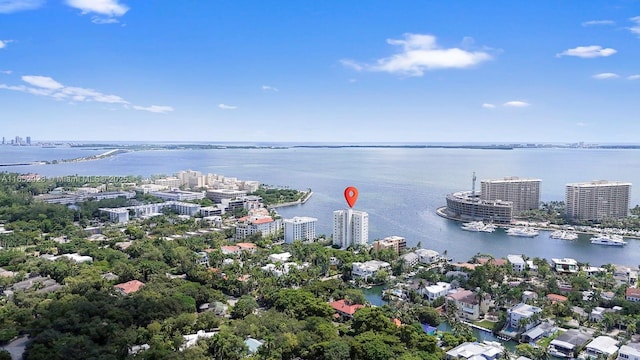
[
  {"x": 369, "y": 268},
  {"x": 565, "y": 265},
  {"x": 468, "y": 304},
  {"x": 517, "y": 263},
  {"x": 545, "y": 329},
  {"x": 523, "y": 316},
  {"x": 436, "y": 291}
]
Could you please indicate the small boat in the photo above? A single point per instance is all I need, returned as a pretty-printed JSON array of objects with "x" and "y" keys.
[
  {"x": 564, "y": 235},
  {"x": 608, "y": 239},
  {"x": 478, "y": 226},
  {"x": 522, "y": 231}
]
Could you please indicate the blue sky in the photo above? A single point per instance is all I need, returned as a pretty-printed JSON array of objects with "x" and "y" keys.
[{"x": 326, "y": 71}]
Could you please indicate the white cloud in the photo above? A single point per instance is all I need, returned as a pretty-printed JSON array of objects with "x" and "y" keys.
[
  {"x": 488, "y": 106},
  {"x": 604, "y": 76},
  {"x": 636, "y": 28},
  {"x": 154, "y": 109},
  {"x": 591, "y": 51},
  {"x": 102, "y": 21},
  {"x": 633, "y": 77},
  {"x": 598, "y": 22},
  {"x": 42, "y": 82},
  {"x": 516, "y": 103},
  {"x": 47, "y": 86},
  {"x": 269, "y": 88},
  {"x": 581, "y": 124},
  {"x": 420, "y": 53},
  {"x": 227, "y": 107},
  {"x": 3, "y": 43},
  {"x": 102, "y": 7},
  {"x": 11, "y": 6}
]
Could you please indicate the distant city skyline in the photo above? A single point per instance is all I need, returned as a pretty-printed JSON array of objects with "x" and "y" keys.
[{"x": 404, "y": 71}]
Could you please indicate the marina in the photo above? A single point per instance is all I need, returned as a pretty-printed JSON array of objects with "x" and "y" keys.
[
  {"x": 478, "y": 226},
  {"x": 608, "y": 240}
]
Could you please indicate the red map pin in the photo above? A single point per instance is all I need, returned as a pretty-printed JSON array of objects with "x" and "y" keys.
[{"x": 351, "y": 195}]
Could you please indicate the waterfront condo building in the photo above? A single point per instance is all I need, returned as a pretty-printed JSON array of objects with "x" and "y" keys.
[
  {"x": 396, "y": 243},
  {"x": 598, "y": 200},
  {"x": 524, "y": 194},
  {"x": 299, "y": 228},
  {"x": 350, "y": 228}
]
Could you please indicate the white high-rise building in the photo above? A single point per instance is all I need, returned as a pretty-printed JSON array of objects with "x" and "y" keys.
[
  {"x": 299, "y": 228},
  {"x": 350, "y": 228},
  {"x": 523, "y": 193},
  {"x": 598, "y": 200}
]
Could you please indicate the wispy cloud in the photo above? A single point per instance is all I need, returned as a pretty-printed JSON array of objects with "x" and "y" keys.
[
  {"x": 633, "y": 77},
  {"x": 605, "y": 76},
  {"x": 6, "y": 72},
  {"x": 591, "y": 51},
  {"x": 154, "y": 109},
  {"x": 581, "y": 124},
  {"x": 227, "y": 107},
  {"x": 269, "y": 88},
  {"x": 47, "y": 86},
  {"x": 42, "y": 82},
  {"x": 598, "y": 22},
  {"x": 635, "y": 28},
  {"x": 104, "y": 21},
  {"x": 420, "y": 53},
  {"x": 516, "y": 103},
  {"x": 488, "y": 106},
  {"x": 106, "y": 10},
  {"x": 3, "y": 43},
  {"x": 11, "y": 6}
]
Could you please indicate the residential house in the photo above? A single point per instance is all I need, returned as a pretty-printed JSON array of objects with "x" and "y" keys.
[
  {"x": 632, "y": 294},
  {"x": 523, "y": 316},
  {"x": 468, "y": 303},
  {"x": 369, "y": 268},
  {"x": 630, "y": 351},
  {"x": 282, "y": 257},
  {"x": 410, "y": 259},
  {"x": 625, "y": 275},
  {"x": 248, "y": 247},
  {"x": 564, "y": 345},
  {"x": 545, "y": 329},
  {"x": 486, "y": 350},
  {"x": 202, "y": 258},
  {"x": 129, "y": 287},
  {"x": 345, "y": 308},
  {"x": 517, "y": 263},
  {"x": 529, "y": 296},
  {"x": 602, "y": 346},
  {"x": 555, "y": 298},
  {"x": 192, "y": 339},
  {"x": 427, "y": 256},
  {"x": 565, "y": 265},
  {"x": 230, "y": 250},
  {"x": 436, "y": 291}
]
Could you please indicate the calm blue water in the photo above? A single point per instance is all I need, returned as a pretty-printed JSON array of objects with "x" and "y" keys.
[{"x": 399, "y": 188}]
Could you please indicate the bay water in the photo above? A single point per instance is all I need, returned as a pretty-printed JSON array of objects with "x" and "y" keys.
[{"x": 400, "y": 188}]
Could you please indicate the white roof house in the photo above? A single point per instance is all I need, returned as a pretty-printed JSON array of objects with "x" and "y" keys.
[
  {"x": 486, "y": 350},
  {"x": 602, "y": 345},
  {"x": 282, "y": 257},
  {"x": 631, "y": 351}
]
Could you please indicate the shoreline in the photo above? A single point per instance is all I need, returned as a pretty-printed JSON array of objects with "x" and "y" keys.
[
  {"x": 630, "y": 234},
  {"x": 302, "y": 201}
]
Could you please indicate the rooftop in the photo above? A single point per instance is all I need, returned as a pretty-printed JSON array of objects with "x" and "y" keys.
[
  {"x": 344, "y": 306},
  {"x": 129, "y": 286}
]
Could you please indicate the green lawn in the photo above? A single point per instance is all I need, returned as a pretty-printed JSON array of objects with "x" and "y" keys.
[{"x": 485, "y": 324}]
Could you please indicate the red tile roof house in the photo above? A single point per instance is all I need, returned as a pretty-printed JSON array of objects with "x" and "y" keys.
[
  {"x": 250, "y": 247},
  {"x": 556, "y": 298},
  {"x": 632, "y": 294},
  {"x": 129, "y": 287},
  {"x": 345, "y": 308}
]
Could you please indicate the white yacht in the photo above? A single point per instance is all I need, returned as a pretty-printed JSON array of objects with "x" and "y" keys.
[
  {"x": 478, "y": 226},
  {"x": 608, "y": 239},
  {"x": 522, "y": 231},
  {"x": 564, "y": 235}
]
